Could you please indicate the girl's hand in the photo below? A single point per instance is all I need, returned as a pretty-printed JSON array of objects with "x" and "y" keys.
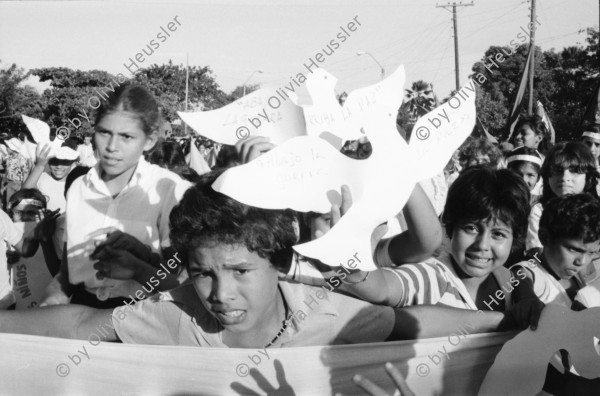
[
  {"x": 117, "y": 264},
  {"x": 12, "y": 256},
  {"x": 527, "y": 312},
  {"x": 46, "y": 224},
  {"x": 252, "y": 148},
  {"x": 402, "y": 388},
  {"x": 335, "y": 214},
  {"x": 327, "y": 221},
  {"x": 42, "y": 155},
  {"x": 116, "y": 240}
]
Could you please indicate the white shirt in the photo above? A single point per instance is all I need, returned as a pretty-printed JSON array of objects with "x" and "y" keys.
[
  {"x": 141, "y": 209},
  {"x": 86, "y": 155},
  {"x": 11, "y": 234},
  {"x": 54, "y": 190},
  {"x": 533, "y": 240}
]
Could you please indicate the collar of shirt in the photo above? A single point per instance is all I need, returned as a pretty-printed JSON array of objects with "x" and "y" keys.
[{"x": 93, "y": 177}]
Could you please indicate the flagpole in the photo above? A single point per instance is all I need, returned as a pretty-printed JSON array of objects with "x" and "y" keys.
[{"x": 532, "y": 64}]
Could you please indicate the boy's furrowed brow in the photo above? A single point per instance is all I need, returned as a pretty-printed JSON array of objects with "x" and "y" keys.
[{"x": 243, "y": 264}]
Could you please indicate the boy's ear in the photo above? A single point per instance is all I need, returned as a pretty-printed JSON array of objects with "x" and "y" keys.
[
  {"x": 544, "y": 236},
  {"x": 151, "y": 141}
]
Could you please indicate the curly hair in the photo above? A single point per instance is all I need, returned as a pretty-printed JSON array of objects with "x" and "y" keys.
[
  {"x": 480, "y": 147},
  {"x": 482, "y": 193},
  {"x": 574, "y": 216},
  {"x": 207, "y": 217},
  {"x": 577, "y": 158}
]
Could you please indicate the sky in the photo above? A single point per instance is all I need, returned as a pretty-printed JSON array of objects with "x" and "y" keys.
[{"x": 268, "y": 41}]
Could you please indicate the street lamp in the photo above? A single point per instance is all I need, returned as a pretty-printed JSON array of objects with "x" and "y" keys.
[
  {"x": 253, "y": 73},
  {"x": 372, "y": 57}
]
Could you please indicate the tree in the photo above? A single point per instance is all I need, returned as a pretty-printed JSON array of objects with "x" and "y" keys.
[
  {"x": 16, "y": 99},
  {"x": 419, "y": 100},
  {"x": 72, "y": 96},
  {"x": 167, "y": 83}
]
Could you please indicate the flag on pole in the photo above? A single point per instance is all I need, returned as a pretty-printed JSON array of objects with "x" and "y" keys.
[
  {"x": 486, "y": 134},
  {"x": 592, "y": 111},
  {"x": 518, "y": 102},
  {"x": 539, "y": 110}
]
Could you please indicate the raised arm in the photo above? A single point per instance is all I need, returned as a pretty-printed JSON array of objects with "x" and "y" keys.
[
  {"x": 42, "y": 157},
  {"x": 423, "y": 234}
]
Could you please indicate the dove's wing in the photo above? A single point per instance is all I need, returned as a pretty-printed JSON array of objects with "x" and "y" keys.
[
  {"x": 297, "y": 174},
  {"x": 264, "y": 112},
  {"x": 325, "y": 114},
  {"x": 39, "y": 129},
  {"x": 439, "y": 133}
]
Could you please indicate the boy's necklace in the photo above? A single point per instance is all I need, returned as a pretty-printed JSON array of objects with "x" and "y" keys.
[{"x": 284, "y": 325}]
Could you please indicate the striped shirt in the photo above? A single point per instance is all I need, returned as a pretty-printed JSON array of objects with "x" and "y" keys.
[{"x": 432, "y": 282}]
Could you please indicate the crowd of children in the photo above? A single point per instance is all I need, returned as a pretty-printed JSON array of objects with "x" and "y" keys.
[{"x": 145, "y": 241}]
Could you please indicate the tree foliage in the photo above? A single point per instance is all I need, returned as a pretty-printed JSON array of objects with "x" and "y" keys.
[
  {"x": 419, "y": 100},
  {"x": 15, "y": 98},
  {"x": 74, "y": 94}
]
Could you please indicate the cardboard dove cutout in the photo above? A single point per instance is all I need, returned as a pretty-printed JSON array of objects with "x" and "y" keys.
[
  {"x": 300, "y": 173},
  {"x": 273, "y": 113},
  {"x": 520, "y": 367},
  {"x": 326, "y": 115},
  {"x": 261, "y": 113},
  {"x": 40, "y": 131}
]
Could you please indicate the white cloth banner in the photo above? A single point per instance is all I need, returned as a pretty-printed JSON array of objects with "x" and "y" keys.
[{"x": 30, "y": 365}]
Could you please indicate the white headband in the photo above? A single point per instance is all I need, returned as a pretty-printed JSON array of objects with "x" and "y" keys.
[
  {"x": 525, "y": 157},
  {"x": 593, "y": 135},
  {"x": 27, "y": 201}
]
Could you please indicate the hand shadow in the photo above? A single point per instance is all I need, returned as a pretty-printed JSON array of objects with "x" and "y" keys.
[{"x": 284, "y": 387}]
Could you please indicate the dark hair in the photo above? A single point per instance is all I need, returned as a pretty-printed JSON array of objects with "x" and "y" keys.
[
  {"x": 205, "y": 216},
  {"x": 538, "y": 127},
  {"x": 75, "y": 173},
  {"x": 577, "y": 158},
  {"x": 592, "y": 128},
  {"x": 26, "y": 193},
  {"x": 134, "y": 99},
  {"x": 166, "y": 154},
  {"x": 483, "y": 147},
  {"x": 575, "y": 216},
  {"x": 71, "y": 143},
  {"x": 227, "y": 157},
  {"x": 513, "y": 165},
  {"x": 481, "y": 193}
]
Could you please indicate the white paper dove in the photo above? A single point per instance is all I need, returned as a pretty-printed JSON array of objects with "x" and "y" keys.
[
  {"x": 40, "y": 131},
  {"x": 300, "y": 173},
  {"x": 520, "y": 367},
  {"x": 264, "y": 112},
  {"x": 24, "y": 148},
  {"x": 326, "y": 115}
]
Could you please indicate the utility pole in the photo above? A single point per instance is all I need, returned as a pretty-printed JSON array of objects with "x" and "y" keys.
[
  {"x": 454, "y": 20},
  {"x": 187, "y": 78},
  {"x": 532, "y": 64}
]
